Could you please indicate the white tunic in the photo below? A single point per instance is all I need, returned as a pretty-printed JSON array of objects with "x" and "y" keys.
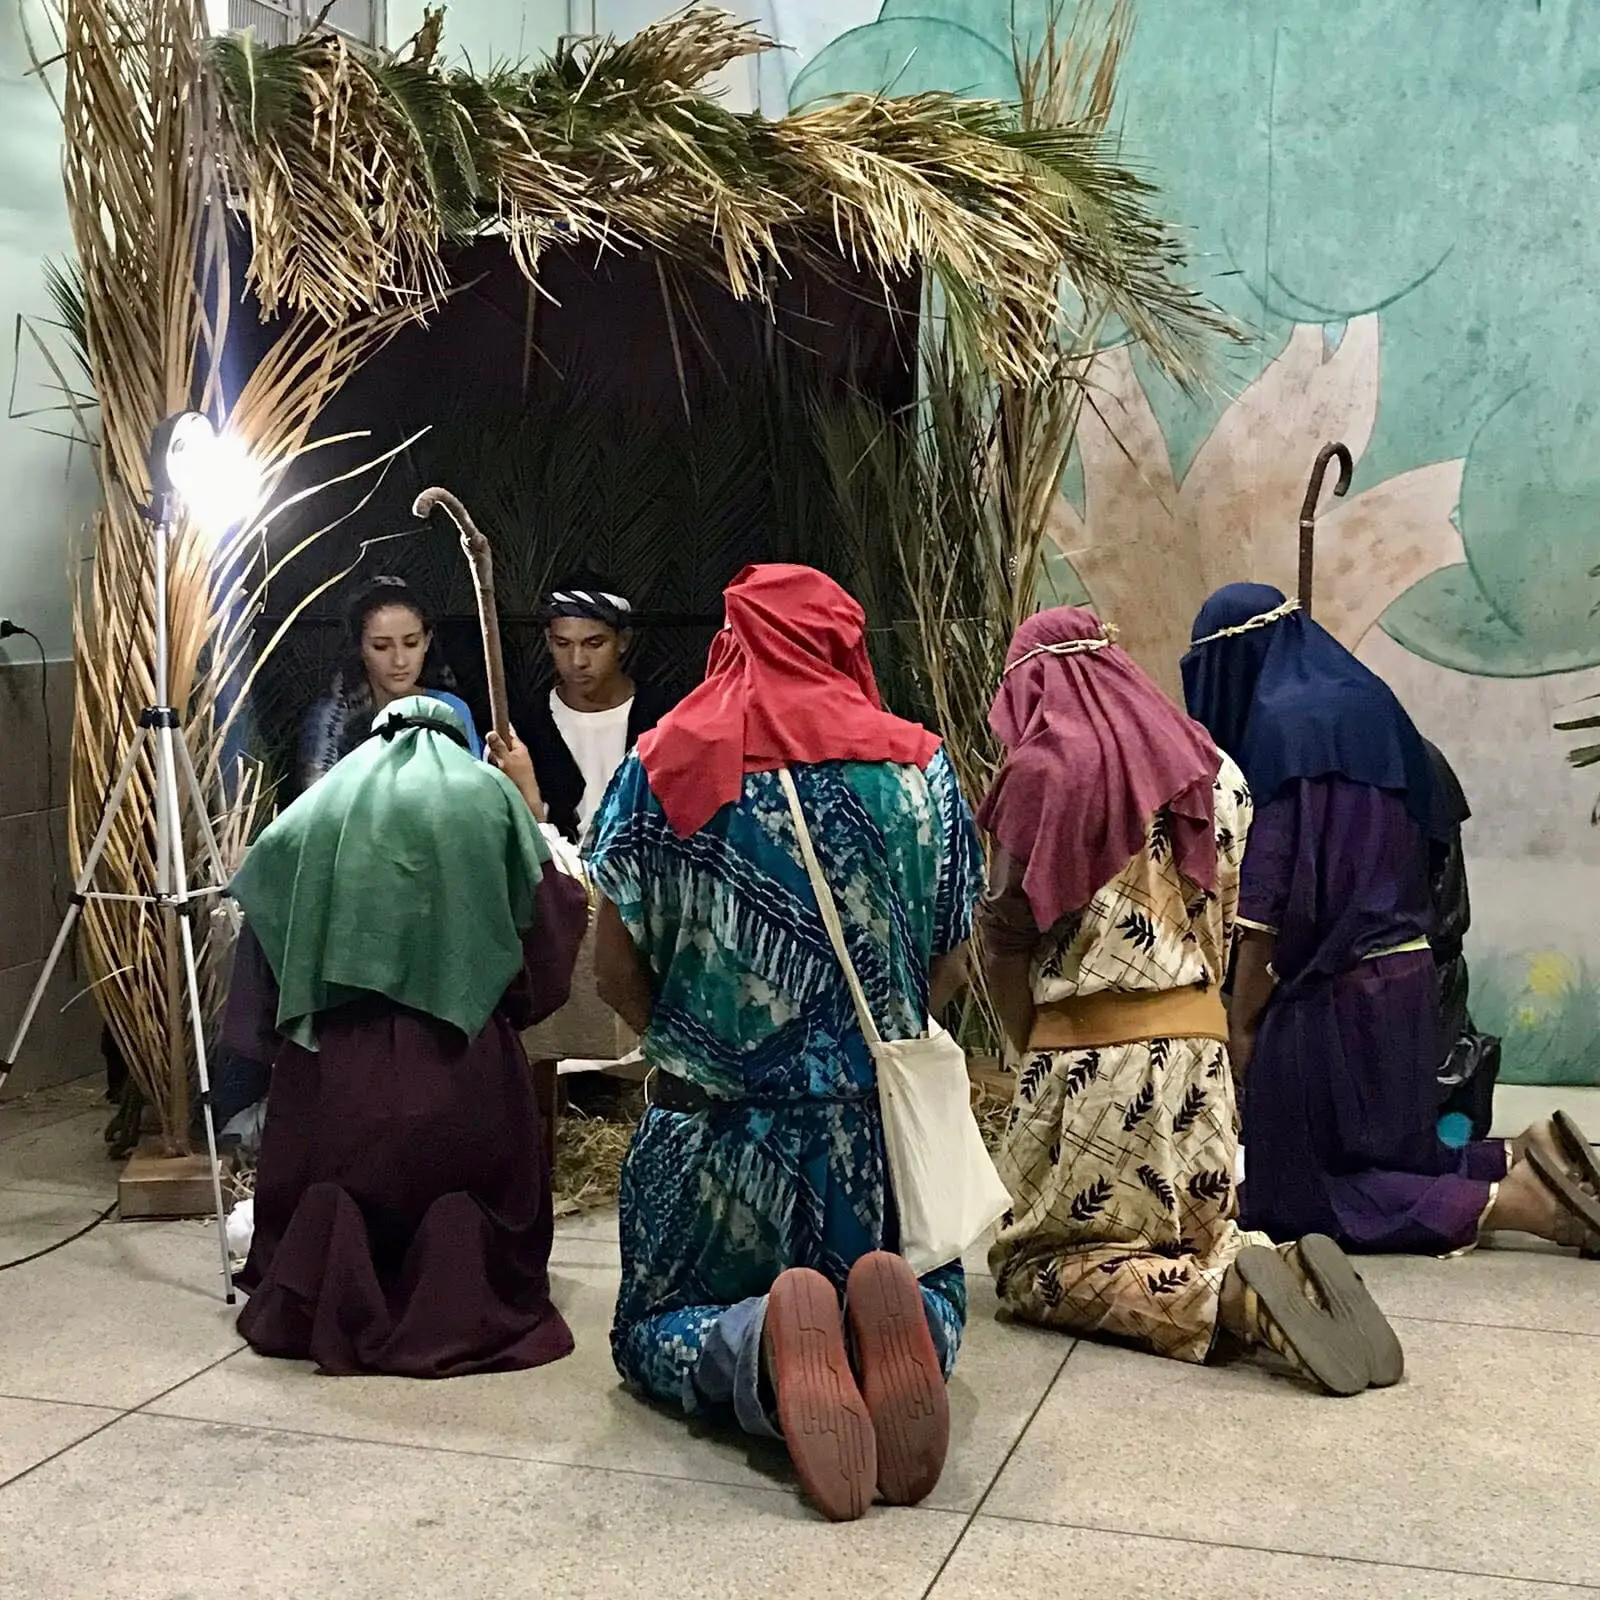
[{"x": 598, "y": 741}]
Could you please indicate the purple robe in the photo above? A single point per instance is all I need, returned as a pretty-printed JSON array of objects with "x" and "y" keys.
[
  {"x": 403, "y": 1218},
  {"x": 1341, "y": 1100}
]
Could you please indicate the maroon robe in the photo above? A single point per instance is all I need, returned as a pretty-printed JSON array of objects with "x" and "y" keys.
[{"x": 403, "y": 1218}]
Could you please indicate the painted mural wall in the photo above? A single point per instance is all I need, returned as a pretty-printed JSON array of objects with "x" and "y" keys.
[
  {"x": 48, "y": 490},
  {"x": 1397, "y": 200}
]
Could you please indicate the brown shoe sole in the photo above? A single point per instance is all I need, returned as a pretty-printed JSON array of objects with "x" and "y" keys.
[
  {"x": 1581, "y": 1209},
  {"x": 825, "y": 1421},
  {"x": 901, "y": 1378},
  {"x": 1577, "y": 1149}
]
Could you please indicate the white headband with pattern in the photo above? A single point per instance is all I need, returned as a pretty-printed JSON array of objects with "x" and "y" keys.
[{"x": 591, "y": 598}]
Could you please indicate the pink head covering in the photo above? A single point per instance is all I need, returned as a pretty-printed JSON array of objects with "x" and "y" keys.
[{"x": 1093, "y": 751}]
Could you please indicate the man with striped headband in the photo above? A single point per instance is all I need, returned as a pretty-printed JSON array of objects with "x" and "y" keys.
[{"x": 595, "y": 712}]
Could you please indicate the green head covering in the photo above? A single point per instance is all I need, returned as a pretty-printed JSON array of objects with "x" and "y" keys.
[{"x": 409, "y": 871}]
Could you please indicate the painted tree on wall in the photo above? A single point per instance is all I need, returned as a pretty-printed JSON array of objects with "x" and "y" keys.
[
  {"x": 1375, "y": 157},
  {"x": 1397, "y": 200}
]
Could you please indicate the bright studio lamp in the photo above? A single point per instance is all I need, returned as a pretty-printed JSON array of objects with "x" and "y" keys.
[
  {"x": 209, "y": 474},
  {"x": 181, "y": 454},
  {"x": 202, "y": 474}
]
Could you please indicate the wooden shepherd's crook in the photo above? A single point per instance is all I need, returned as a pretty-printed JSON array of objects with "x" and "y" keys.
[
  {"x": 1308, "y": 511},
  {"x": 480, "y": 558}
]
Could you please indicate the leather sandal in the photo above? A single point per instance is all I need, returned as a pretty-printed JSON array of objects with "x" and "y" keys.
[
  {"x": 1279, "y": 1316},
  {"x": 1336, "y": 1285},
  {"x": 1575, "y": 1146},
  {"x": 1579, "y": 1223}
]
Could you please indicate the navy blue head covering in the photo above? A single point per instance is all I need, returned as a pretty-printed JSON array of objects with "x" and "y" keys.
[{"x": 1286, "y": 700}]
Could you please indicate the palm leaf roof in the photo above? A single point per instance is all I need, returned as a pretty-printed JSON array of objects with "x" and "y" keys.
[{"x": 357, "y": 172}]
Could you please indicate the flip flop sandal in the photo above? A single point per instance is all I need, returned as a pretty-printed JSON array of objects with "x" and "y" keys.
[
  {"x": 1578, "y": 1151},
  {"x": 821, "y": 1412},
  {"x": 901, "y": 1377},
  {"x": 1281, "y": 1317},
  {"x": 1582, "y": 1210},
  {"x": 1349, "y": 1302}
]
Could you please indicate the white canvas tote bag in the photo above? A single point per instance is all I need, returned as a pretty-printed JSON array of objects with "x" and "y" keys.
[{"x": 946, "y": 1189}]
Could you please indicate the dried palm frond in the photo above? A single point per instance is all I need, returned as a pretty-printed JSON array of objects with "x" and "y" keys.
[
  {"x": 355, "y": 173},
  {"x": 145, "y": 202},
  {"x": 964, "y": 487},
  {"x": 924, "y": 486},
  {"x": 983, "y": 470}
]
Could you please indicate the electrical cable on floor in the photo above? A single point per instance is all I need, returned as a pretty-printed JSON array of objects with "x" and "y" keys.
[{"x": 50, "y": 1249}]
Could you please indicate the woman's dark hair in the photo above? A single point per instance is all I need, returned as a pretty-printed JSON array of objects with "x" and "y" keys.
[
  {"x": 343, "y": 718},
  {"x": 373, "y": 596}
]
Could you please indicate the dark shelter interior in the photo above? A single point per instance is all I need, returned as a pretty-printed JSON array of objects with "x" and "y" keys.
[{"x": 626, "y": 419}]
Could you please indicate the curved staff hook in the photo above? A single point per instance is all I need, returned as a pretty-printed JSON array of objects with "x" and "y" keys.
[
  {"x": 475, "y": 546},
  {"x": 1308, "y": 511}
]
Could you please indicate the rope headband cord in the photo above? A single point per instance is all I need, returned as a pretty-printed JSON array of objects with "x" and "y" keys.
[
  {"x": 1068, "y": 647},
  {"x": 588, "y": 601},
  {"x": 1264, "y": 620}
]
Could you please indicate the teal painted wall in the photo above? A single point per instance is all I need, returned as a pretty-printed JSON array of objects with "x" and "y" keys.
[
  {"x": 1433, "y": 164},
  {"x": 47, "y": 490},
  {"x": 1397, "y": 200}
]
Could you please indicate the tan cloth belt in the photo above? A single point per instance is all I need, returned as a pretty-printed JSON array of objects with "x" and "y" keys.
[{"x": 1090, "y": 1021}]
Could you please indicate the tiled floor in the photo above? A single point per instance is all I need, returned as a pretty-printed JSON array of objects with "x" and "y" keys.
[{"x": 144, "y": 1453}]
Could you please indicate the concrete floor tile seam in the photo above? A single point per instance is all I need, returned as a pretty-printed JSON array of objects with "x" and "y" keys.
[
  {"x": 56, "y": 1455},
  {"x": 43, "y": 1117},
  {"x": 994, "y": 1478},
  {"x": 1283, "y": 1550},
  {"x": 172, "y": 1388},
  {"x": 1128, "y": 1546},
  {"x": 55, "y": 1400},
  {"x": 35, "y": 1125},
  {"x": 59, "y": 1189},
  {"x": 412, "y": 1447},
  {"x": 1499, "y": 1327}
]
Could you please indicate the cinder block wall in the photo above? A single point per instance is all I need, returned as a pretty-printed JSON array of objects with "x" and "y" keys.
[{"x": 35, "y": 735}]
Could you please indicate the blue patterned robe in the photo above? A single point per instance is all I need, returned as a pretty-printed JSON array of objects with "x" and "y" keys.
[{"x": 751, "y": 1005}]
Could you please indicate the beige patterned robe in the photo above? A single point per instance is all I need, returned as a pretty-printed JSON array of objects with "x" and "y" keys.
[{"x": 1121, "y": 1160}]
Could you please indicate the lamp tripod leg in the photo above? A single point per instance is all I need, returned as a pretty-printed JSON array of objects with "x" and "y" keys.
[
  {"x": 191, "y": 973},
  {"x": 167, "y": 777},
  {"x": 80, "y": 891},
  {"x": 208, "y": 833}
]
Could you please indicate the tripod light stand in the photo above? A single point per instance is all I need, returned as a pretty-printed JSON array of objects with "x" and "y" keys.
[{"x": 183, "y": 458}]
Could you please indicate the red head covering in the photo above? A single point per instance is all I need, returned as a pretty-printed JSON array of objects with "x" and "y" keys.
[
  {"x": 788, "y": 681},
  {"x": 1093, "y": 751}
]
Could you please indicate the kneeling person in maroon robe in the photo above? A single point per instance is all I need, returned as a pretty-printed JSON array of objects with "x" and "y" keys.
[{"x": 403, "y": 923}]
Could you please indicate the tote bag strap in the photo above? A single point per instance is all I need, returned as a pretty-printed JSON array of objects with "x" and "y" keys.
[{"x": 830, "y": 910}]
